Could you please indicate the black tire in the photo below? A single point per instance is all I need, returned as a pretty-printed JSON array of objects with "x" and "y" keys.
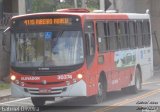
[
  {"x": 138, "y": 84},
  {"x": 101, "y": 95},
  {"x": 126, "y": 90},
  {"x": 138, "y": 81},
  {"x": 38, "y": 101}
]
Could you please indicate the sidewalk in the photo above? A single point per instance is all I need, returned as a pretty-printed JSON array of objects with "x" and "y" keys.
[{"x": 5, "y": 93}]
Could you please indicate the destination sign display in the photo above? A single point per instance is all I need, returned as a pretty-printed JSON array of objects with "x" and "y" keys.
[
  {"x": 30, "y": 23},
  {"x": 48, "y": 21}
]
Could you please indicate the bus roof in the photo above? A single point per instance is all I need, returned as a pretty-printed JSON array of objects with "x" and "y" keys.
[{"x": 92, "y": 16}]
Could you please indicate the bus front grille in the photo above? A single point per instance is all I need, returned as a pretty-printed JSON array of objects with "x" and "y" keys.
[{"x": 53, "y": 91}]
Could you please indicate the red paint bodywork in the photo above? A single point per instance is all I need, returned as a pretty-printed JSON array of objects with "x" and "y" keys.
[{"x": 90, "y": 75}]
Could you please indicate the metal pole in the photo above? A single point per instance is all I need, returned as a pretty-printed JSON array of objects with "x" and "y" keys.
[
  {"x": 84, "y": 4},
  {"x": 21, "y": 7},
  {"x": 115, "y": 5},
  {"x": 75, "y": 4},
  {"x": 102, "y": 4}
]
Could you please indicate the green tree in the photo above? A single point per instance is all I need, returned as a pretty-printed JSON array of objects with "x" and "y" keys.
[
  {"x": 42, "y": 5},
  {"x": 53, "y": 5},
  {"x": 63, "y": 5},
  {"x": 93, "y": 4}
]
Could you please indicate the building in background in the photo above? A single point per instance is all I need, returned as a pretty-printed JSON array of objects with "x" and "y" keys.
[
  {"x": 8, "y": 8},
  {"x": 140, "y": 6}
]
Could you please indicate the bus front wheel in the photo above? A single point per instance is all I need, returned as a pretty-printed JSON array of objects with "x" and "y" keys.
[
  {"x": 101, "y": 93},
  {"x": 37, "y": 101},
  {"x": 138, "y": 82}
]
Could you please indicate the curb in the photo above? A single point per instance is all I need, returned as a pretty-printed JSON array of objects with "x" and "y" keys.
[
  {"x": 5, "y": 94},
  {"x": 5, "y": 97}
]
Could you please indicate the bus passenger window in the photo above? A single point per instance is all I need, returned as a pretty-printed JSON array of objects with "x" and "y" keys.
[
  {"x": 146, "y": 33},
  {"x": 135, "y": 34},
  {"x": 112, "y": 38},
  {"x": 139, "y": 33},
  {"x": 90, "y": 44},
  {"x": 122, "y": 34},
  {"x": 132, "y": 34},
  {"x": 101, "y": 36},
  {"x": 127, "y": 34}
]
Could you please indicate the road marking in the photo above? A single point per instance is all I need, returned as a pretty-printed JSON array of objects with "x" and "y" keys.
[
  {"x": 116, "y": 105},
  {"x": 21, "y": 103},
  {"x": 145, "y": 83},
  {"x": 15, "y": 101},
  {"x": 6, "y": 105}
]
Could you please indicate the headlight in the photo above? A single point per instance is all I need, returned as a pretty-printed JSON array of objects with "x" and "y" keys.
[
  {"x": 13, "y": 77},
  {"x": 79, "y": 76}
]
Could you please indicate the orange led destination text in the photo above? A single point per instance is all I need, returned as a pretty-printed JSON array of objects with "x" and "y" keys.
[{"x": 55, "y": 21}]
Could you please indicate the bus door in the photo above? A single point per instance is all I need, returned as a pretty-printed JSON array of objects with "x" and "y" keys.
[
  {"x": 90, "y": 56},
  {"x": 105, "y": 56}
]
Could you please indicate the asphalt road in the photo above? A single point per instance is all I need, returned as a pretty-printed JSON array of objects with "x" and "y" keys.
[{"x": 147, "y": 100}]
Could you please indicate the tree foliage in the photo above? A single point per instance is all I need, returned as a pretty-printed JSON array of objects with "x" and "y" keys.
[
  {"x": 53, "y": 5},
  {"x": 42, "y": 5},
  {"x": 93, "y": 4}
]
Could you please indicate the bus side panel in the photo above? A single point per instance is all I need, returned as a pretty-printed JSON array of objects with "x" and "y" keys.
[
  {"x": 125, "y": 62},
  {"x": 144, "y": 57},
  {"x": 105, "y": 64}
]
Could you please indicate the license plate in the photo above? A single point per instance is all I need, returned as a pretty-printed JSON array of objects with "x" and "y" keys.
[{"x": 44, "y": 90}]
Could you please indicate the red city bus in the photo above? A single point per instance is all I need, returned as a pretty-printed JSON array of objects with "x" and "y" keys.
[{"x": 72, "y": 52}]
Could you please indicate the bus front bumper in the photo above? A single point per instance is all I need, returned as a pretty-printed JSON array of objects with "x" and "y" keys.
[{"x": 76, "y": 89}]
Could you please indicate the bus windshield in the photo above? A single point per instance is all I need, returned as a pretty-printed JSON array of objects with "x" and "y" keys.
[{"x": 47, "y": 49}]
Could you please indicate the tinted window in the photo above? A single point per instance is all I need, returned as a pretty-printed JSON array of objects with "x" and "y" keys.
[
  {"x": 112, "y": 37},
  {"x": 122, "y": 34},
  {"x": 90, "y": 42},
  {"x": 146, "y": 33},
  {"x": 101, "y": 35},
  {"x": 139, "y": 33},
  {"x": 132, "y": 34},
  {"x": 127, "y": 34}
]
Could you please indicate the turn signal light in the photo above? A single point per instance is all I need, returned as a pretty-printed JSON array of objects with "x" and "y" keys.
[{"x": 17, "y": 82}]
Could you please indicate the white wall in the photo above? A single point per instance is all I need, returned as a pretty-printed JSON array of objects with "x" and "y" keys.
[{"x": 140, "y": 6}]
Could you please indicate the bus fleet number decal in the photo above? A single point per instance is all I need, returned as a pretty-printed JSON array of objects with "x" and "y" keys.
[{"x": 62, "y": 77}]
